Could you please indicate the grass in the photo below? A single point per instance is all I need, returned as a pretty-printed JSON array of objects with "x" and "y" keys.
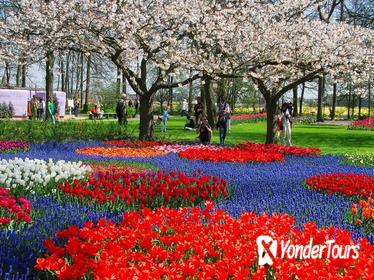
[{"x": 330, "y": 139}]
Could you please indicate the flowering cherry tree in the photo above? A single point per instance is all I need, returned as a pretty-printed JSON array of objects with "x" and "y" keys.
[{"x": 276, "y": 44}]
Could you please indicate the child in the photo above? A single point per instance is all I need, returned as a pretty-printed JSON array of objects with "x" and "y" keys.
[{"x": 165, "y": 117}]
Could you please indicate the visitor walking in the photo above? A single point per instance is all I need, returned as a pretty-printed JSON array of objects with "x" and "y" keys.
[
  {"x": 198, "y": 110},
  {"x": 279, "y": 133},
  {"x": 76, "y": 107},
  {"x": 29, "y": 111},
  {"x": 286, "y": 123},
  {"x": 34, "y": 108},
  {"x": 121, "y": 110},
  {"x": 52, "y": 110},
  {"x": 40, "y": 109},
  {"x": 165, "y": 117},
  {"x": 44, "y": 108},
  {"x": 223, "y": 110}
]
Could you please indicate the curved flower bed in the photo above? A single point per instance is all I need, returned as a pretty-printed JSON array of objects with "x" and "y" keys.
[
  {"x": 24, "y": 175},
  {"x": 135, "y": 144},
  {"x": 176, "y": 148},
  {"x": 248, "y": 118},
  {"x": 126, "y": 190},
  {"x": 229, "y": 155},
  {"x": 197, "y": 244},
  {"x": 274, "y": 148},
  {"x": 118, "y": 166},
  {"x": 12, "y": 209},
  {"x": 13, "y": 146},
  {"x": 367, "y": 123},
  {"x": 347, "y": 184},
  {"x": 120, "y": 152}
]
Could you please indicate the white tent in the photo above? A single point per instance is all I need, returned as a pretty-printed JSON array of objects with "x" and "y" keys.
[{"x": 19, "y": 98}]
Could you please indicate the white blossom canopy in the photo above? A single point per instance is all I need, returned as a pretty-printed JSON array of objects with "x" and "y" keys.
[{"x": 272, "y": 43}]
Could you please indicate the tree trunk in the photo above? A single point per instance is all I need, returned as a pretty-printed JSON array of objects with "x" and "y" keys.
[
  {"x": 209, "y": 102},
  {"x": 78, "y": 75},
  {"x": 333, "y": 102},
  {"x": 170, "y": 99},
  {"x": 67, "y": 74},
  {"x": 321, "y": 92},
  {"x": 162, "y": 92},
  {"x": 88, "y": 81},
  {"x": 18, "y": 75},
  {"x": 7, "y": 73},
  {"x": 349, "y": 100},
  {"x": 71, "y": 83},
  {"x": 124, "y": 84},
  {"x": 4, "y": 77},
  {"x": 359, "y": 106},
  {"x": 369, "y": 99},
  {"x": 81, "y": 79},
  {"x": 23, "y": 78},
  {"x": 49, "y": 78},
  {"x": 190, "y": 95},
  {"x": 146, "y": 118},
  {"x": 119, "y": 84},
  {"x": 301, "y": 99},
  {"x": 353, "y": 104},
  {"x": 295, "y": 102},
  {"x": 202, "y": 95},
  {"x": 62, "y": 71},
  {"x": 341, "y": 10},
  {"x": 271, "y": 122}
]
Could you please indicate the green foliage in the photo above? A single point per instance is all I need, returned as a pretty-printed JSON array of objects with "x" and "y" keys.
[
  {"x": 109, "y": 97},
  {"x": 6, "y": 110},
  {"x": 37, "y": 132},
  {"x": 330, "y": 139},
  {"x": 307, "y": 119}
]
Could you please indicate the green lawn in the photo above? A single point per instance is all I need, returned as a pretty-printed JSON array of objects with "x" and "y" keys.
[{"x": 330, "y": 139}]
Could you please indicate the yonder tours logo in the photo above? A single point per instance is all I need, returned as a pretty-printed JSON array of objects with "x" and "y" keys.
[{"x": 267, "y": 249}]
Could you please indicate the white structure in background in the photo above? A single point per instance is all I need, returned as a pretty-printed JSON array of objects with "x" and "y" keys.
[{"x": 19, "y": 98}]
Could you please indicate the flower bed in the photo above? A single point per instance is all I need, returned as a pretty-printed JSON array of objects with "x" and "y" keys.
[
  {"x": 248, "y": 118},
  {"x": 25, "y": 175},
  {"x": 274, "y": 148},
  {"x": 13, "y": 210},
  {"x": 245, "y": 152},
  {"x": 367, "y": 123},
  {"x": 127, "y": 190},
  {"x": 347, "y": 184},
  {"x": 229, "y": 155},
  {"x": 135, "y": 144},
  {"x": 196, "y": 244},
  {"x": 120, "y": 152},
  {"x": 13, "y": 146},
  {"x": 360, "y": 159},
  {"x": 118, "y": 166},
  {"x": 362, "y": 214},
  {"x": 176, "y": 148}
]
